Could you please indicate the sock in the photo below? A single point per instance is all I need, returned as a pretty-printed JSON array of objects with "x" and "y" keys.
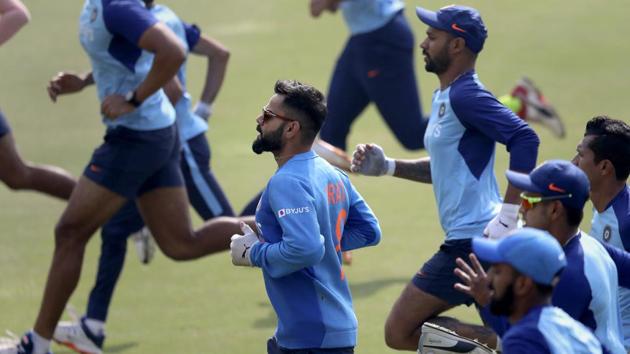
[
  {"x": 499, "y": 347},
  {"x": 41, "y": 345},
  {"x": 513, "y": 103},
  {"x": 97, "y": 327}
]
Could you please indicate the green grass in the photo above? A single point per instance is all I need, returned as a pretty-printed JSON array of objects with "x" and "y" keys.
[{"x": 576, "y": 50}]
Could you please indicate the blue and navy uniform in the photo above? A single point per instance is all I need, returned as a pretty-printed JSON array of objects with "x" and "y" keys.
[
  {"x": 141, "y": 148},
  {"x": 377, "y": 66},
  {"x": 308, "y": 214},
  {"x": 587, "y": 290},
  {"x": 465, "y": 124},
  {"x": 204, "y": 192},
  {"x": 612, "y": 227},
  {"x": 4, "y": 125},
  {"x": 548, "y": 329}
]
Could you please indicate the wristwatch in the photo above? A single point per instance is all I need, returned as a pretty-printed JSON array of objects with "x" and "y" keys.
[{"x": 130, "y": 97}]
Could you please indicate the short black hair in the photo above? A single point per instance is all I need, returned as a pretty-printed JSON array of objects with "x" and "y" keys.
[
  {"x": 574, "y": 215},
  {"x": 611, "y": 142},
  {"x": 308, "y": 102}
]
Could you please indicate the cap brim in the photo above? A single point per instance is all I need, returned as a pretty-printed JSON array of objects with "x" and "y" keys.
[
  {"x": 487, "y": 250},
  {"x": 428, "y": 17},
  {"x": 521, "y": 181}
]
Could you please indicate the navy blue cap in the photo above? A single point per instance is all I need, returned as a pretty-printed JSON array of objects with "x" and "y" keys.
[
  {"x": 554, "y": 178},
  {"x": 532, "y": 252},
  {"x": 460, "y": 21}
]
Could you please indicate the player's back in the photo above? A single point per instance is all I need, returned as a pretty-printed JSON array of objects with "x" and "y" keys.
[
  {"x": 587, "y": 290},
  {"x": 548, "y": 329},
  {"x": 612, "y": 227}
]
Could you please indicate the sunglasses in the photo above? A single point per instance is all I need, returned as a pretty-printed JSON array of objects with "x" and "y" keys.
[
  {"x": 267, "y": 115},
  {"x": 527, "y": 202}
]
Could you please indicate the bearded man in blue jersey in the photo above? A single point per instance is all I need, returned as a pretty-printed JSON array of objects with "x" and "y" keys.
[
  {"x": 466, "y": 123},
  {"x": 308, "y": 214}
]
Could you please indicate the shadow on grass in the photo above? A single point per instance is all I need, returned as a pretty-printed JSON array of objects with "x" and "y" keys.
[
  {"x": 359, "y": 290},
  {"x": 117, "y": 348}
]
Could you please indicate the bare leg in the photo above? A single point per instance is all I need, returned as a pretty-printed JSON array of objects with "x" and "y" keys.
[
  {"x": 412, "y": 308},
  {"x": 165, "y": 211},
  {"x": 18, "y": 174},
  {"x": 89, "y": 207}
]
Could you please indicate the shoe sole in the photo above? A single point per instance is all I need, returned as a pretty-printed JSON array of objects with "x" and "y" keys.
[{"x": 75, "y": 348}]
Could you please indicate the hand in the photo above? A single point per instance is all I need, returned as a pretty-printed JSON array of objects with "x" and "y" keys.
[
  {"x": 370, "y": 160},
  {"x": 64, "y": 83},
  {"x": 318, "y": 6},
  {"x": 241, "y": 246},
  {"x": 114, "y": 106},
  {"x": 203, "y": 110},
  {"x": 503, "y": 223},
  {"x": 476, "y": 282}
]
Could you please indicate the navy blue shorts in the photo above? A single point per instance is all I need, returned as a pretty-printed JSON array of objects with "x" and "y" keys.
[
  {"x": 132, "y": 162},
  {"x": 437, "y": 276},
  {"x": 377, "y": 67},
  {"x": 274, "y": 348},
  {"x": 4, "y": 126}
]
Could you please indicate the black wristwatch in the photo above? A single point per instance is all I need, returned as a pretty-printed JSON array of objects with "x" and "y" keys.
[{"x": 132, "y": 99}]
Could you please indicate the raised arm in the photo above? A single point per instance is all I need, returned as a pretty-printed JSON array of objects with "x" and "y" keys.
[{"x": 370, "y": 160}]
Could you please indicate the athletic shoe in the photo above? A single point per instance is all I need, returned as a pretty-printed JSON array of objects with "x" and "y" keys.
[
  {"x": 11, "y": 345},
  {"x": 535, "y": 107},
  {"x": 145, "y": 246},
  {"x": 439, "y": 340},
  {"x": 78, "y": 337}
]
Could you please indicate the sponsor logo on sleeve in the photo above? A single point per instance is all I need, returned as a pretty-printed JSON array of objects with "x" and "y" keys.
[{"x": 292, "y": 211}]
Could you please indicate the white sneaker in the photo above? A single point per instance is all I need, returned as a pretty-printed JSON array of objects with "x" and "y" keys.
[
  {"x": 439, "y": 340},
  {"x": 145, "y": 246},
  {"x": 536, "y": 108},
  {"x": 9, "y": 345},
  {"x": 76, "y": 336}
]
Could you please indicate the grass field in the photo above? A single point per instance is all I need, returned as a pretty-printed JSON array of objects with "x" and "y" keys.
[{"x": 576, "y": 50}]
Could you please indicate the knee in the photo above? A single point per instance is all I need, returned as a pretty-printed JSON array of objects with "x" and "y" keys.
[
  {"x": 70, "y": 236},
  {"x": 393, "y": 336}
]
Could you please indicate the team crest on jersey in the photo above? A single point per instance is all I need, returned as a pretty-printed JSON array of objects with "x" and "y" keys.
[
  {"x": 94, "y": 14},
  {"x": 607, "y": 233},
  {"x": 442, "y": 110}
]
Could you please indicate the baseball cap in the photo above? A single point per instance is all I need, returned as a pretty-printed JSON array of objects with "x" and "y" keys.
[
  {"x": 460, "y": 21},
  {"x": 532, "y": 252},
  {"x": 553, "y": 178}
]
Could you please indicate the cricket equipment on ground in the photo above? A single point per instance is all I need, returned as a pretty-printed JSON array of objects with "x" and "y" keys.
[
  {"x": 145, "y": 246},
  {"x": 374, "y": 163},
  {"x": 535, "y": 107},
  {"x": 332, "y": 154},
  {"x": 504, "y": 222},
  {"x": 439, "y": 340},
  {"x": 241, "y": 246}
]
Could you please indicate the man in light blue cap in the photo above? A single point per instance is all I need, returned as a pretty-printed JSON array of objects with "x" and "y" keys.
[{"x": 525, "y": 269}]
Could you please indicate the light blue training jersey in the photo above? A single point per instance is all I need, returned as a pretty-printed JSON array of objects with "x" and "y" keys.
[
  {"x": 308, "y": 214},
  {"x": 548, "y": 329},
  {"x": 588, "y": 289},
  {"x": 364, "y": 16},
  {"x": 612, "y": 227},
  {"x": 466, "y": 120},
  {"x": 109, "y": 33},
  {"x": 188, "y": 123}
]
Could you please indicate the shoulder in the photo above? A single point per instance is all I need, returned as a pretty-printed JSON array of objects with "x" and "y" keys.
[
  {"x": 467, "y": 89},
  {"x": 525, "y": 338}
]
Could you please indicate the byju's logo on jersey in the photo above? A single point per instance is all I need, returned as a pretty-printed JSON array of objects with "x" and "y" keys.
[{"x": 291, "y": 211}]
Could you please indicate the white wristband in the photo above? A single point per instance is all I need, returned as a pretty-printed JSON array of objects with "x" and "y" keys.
[
  {"x": 391, "y": 167},
  {"x": 203, "y": 109}
]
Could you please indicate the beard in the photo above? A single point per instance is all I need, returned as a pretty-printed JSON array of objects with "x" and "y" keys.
[
  {"x": 438, "y": 64},
  {"x": 505, "y": 305},
  {"x": 268, "y": 142}
]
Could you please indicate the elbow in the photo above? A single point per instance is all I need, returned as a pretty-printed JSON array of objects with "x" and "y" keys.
[
  {"x": 377, "y": 236},
  {"x": 223, "y": 55},
  {"x": 312, "y": 255}
]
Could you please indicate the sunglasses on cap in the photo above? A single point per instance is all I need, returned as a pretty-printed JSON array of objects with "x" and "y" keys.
[{"x": 527, "y": 202}]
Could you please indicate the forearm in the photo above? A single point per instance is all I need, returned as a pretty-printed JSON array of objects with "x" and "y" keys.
[
  {"x": 214, "y": 78},
  {"x": 415, "y": 170},
  {"x": 165, "y": 66},
  {"x": 512, "y": 195},
  {"x": 12, "y": 21},
  {"x": 283, "y": 258}
]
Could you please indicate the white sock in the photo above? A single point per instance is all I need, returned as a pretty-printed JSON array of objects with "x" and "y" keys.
[
  {"x": 97, "y": 327},
  {"x": 41, "y": 345},
  {"x": 499, "y": 347}
]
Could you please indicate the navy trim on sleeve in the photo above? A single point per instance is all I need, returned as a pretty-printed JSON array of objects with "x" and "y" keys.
[
  {"x": 193, "y": 33},
  {"x": 127, "y": 18}
]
